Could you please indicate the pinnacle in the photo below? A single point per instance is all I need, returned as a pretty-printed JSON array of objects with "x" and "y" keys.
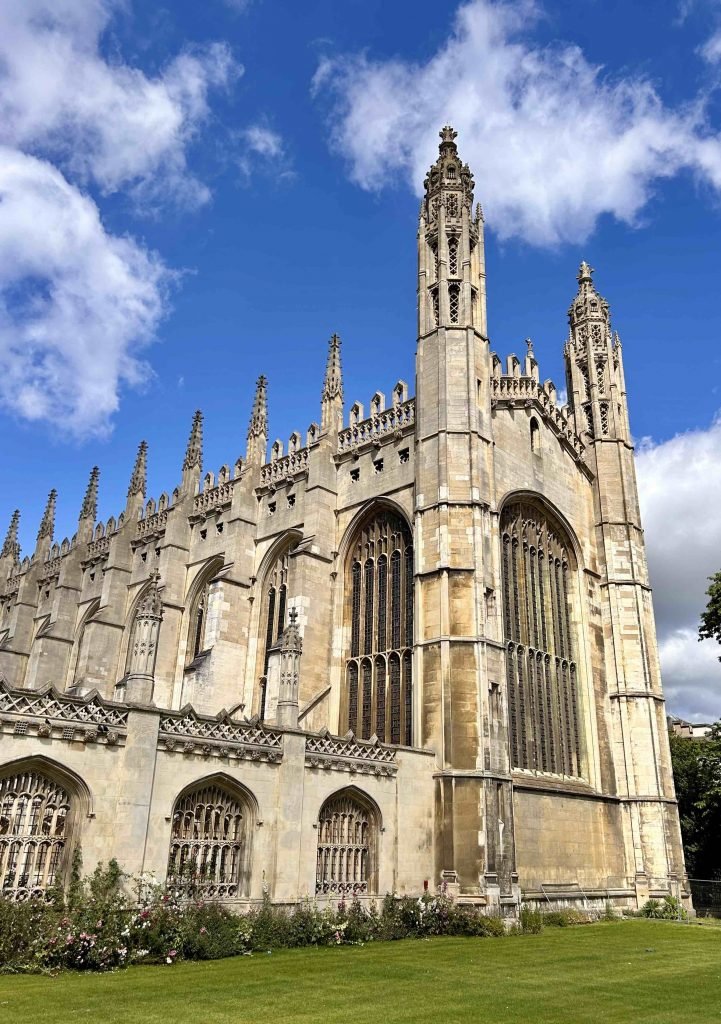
[
  {"x": 333, "y": 380},
  {"x": 47, "y": 524},
  {"x": 585, "y": 273},
  {"x": 89, "y": 509},
  {"x": 258, "y": 426},
  {"x": 11, "y": 546},
  {"x": 194, "y": 451},
  {"x": 448, "y": 135},
  {"x": 139, "y": 474}
]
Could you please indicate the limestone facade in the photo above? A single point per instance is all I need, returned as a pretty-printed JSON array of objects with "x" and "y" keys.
[{"x": 416, "y": 647}]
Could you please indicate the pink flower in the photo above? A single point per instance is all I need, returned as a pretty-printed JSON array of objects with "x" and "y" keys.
[{"x": 203, "y": 931}]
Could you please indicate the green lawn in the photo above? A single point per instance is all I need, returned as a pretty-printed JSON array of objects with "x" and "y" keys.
[{"x": 635, "y": 971}]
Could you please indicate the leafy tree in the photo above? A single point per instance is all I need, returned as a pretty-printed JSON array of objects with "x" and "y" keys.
[
  {"x": 697, "y": 774},
  {"x": 710, "y": 628}
]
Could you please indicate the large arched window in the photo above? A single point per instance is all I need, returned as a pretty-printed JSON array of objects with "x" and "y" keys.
[
  {"x": 209, "y": 843},
  {"x": 34, "y": 828},
  {"x": 273, "y": 617},
  {"x": 379, "y": 604},
  {"x": 347, "y": 838},
  {"x": 542, "y": 678}
]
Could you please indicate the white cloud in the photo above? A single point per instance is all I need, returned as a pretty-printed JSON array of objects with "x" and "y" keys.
[
  {"x": 76, "y": 303},
  {"x": 260, "y": 143},
  {"x": 680, "y": 493},
  {"x": 553, "y": 142},
  {"x": 711, "y": 49},
  {"x": 102, "y": 122}
]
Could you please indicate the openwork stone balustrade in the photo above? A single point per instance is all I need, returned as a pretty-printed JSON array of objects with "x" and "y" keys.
[{"x": 348, "y": 754}]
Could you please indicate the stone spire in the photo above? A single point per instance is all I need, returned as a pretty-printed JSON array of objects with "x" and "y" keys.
[
  {"x": 194, "y": 451},
  {"x": 138, "y": 479},
  {"x": 451, "y": 253},
  {"x": 11, "y": 545},
  {"x": 47, "y": 525},
  {"x": 193, "y": 461},
  {"x": 89, "y": 508},
  {"x": 258, "y": 427},
  {"x": 332, "y": 394},
  {"x": 11, "y": 548}
]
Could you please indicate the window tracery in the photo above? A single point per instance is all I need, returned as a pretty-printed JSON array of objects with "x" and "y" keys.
[
  {"x": 453, "y": 257},
  {"x": 208, "y": 854},
  {"x": 34, "y": 815},
  {"x": 346, "y": 848},
  {"x": 380, "y": 606},
  {"x": 454, "y": 302},
  {"x": 273, "y": 613},
  {"x": 541, "y": 674}
]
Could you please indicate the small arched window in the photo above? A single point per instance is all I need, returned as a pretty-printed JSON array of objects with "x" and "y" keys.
[
  {"x": 210, "y": 843},
  {"x": 453, "y": 257},
  {"x": 34, "y": 820},
  {"x": 535, "y": 436},
  {"x": 347, "y": 838},
  {"x": 454, "y": 298}
]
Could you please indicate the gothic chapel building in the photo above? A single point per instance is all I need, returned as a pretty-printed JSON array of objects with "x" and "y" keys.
[{"x": 415, "y": 647}]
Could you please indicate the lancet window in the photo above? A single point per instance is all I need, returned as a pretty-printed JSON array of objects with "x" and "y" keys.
[
  {"x": 453, "y": 257},
  {"x": 542, "y": 676},
  {"x": 274, "y": 610},
  {"x": 208, "y": 844},
  {"x": 34, "y": 815},
  {"x": 345, "y": 863},
  {"x": 379, "y": 675},
  {"x": 199, "y": 633},
  {"x": 454, "y": 302}
]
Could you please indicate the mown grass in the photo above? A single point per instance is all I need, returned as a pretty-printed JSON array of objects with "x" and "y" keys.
[{"x": 634, "y": 971}]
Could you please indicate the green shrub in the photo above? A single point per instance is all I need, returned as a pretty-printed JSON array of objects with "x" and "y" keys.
[
  {"x": 565, "y": 918},
  {"x": 531, "y": 921},
  {"x": 668, "y": 909}
]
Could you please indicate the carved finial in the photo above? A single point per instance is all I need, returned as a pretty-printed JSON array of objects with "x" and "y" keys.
[
  {"x": 258, "y": 426},
  {"x": 585, "y": 273},
  {"x": 138, "y": 478},
  {"x": 89, "y": 509},
  {"x": 151, "y": 605},
  {"x": 529, "y": 346},
  {"x": 290, "y": 639},
  {"x": 333, "y": 381},
  {"x": 11, "y": 547},
  {"x": 447, "y": 136},
  {"x": 194, "y": 451},
  {"x": 47, "y": 524}
]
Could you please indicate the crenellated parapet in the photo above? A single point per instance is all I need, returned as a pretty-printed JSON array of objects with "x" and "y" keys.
[
  {"x": 399, "y": 419},
  {"x": 284, "y": 467}
]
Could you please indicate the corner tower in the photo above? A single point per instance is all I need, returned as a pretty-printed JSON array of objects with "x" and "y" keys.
[
  {"x": 456, "y": 631},
  {"x": 597, "y": 398}
]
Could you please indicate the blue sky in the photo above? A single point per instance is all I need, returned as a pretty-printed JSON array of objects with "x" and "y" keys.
[{"x": 192, "y": 195}]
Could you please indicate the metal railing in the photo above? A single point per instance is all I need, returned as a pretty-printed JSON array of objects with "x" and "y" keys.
[{"x": 706, "y": 896}]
